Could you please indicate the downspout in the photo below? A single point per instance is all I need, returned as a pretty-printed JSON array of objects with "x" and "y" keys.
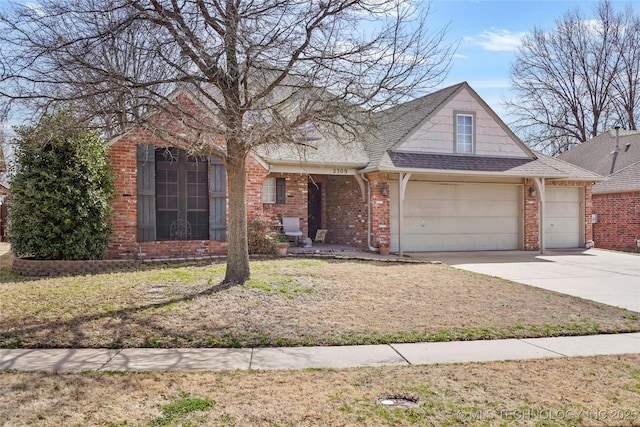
[{"x": 371, "y": 248}]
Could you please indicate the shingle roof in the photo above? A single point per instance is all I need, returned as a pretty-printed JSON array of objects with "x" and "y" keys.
[
  {"x": 405, "y": 160},
  {"x": 543, "y": 166},
  {"x": 573, "y": 171},
  {"x": 597, "y": 156},
  {"x": 624, "y": 180},
  {"x": 324, "y": 151}
]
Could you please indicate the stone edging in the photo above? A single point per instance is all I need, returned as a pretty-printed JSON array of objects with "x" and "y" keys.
[{"x": 56, "y": 268}]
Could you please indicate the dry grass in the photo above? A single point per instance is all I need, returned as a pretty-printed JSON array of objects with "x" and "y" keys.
[
  {"x": 289, "y": 302},
  {"x": 553, "y": 392}
]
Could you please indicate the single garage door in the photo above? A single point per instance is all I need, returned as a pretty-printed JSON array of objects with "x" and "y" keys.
[
  {"x": 458, "y": 217},
  {"x": 563, "y": 218}
]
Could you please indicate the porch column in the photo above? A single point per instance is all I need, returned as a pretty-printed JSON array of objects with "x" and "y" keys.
[
  {"x": 539, "y": 184},
  {"x": 403, "y": 179}
]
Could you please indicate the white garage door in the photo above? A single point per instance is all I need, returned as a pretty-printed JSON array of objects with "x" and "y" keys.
[
  {"x": 457, "y": 217},
  {"x": 563, "y": 218}
]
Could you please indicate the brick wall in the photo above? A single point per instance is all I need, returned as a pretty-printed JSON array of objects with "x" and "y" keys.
[
  {"x": 618, "y": 224},
  {"x": 531, "y": 218},
  {"x": 346, "y": 212},
  {"x": 380, "y": 209},
  {"x": 123, "y": 244}
]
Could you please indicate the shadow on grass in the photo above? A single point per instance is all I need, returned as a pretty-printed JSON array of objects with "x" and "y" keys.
[{"x": 16, "y": 338}]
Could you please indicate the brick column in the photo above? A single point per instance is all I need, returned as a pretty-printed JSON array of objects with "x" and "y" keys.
[{"x": 531, "y": 217}]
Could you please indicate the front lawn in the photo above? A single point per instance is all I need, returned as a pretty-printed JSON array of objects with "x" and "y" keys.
[
  {"x": 289, "y": 302},
  {"x": 591, "y": 391}
]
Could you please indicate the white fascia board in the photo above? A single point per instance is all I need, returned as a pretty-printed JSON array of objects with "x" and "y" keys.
[
  {"x": 347, "y": 169},
  {"x": 466, "y": 173}
]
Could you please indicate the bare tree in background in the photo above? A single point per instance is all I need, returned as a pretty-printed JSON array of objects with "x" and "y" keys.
[
  {"x": 265, "y": 70},
  {"x": 578, "y": 80},
  {"x": 626, "y": 82}
]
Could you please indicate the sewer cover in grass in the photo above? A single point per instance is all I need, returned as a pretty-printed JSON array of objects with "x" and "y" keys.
[{"x": 399, "y": 402}]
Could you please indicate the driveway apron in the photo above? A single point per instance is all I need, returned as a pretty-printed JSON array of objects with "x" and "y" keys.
[{"x": 604, "y": 276}]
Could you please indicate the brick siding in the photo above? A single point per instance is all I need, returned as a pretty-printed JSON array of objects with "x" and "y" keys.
[
  {"x": 618, "y": 225},
  {"x": 380, "y": 209},
  {"x": 346, "y": 217}
]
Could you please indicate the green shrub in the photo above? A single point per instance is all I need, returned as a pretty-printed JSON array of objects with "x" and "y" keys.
[{"x": 61, "y": 191}]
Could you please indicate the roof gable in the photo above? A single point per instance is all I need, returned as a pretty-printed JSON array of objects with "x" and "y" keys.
[{"x": 426, "y": 125}]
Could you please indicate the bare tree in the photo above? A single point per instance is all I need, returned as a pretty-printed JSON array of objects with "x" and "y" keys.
[
  {"x": 626, "y": 83},
  {"x": 264, "y": 69},
  {"x": 578, "y": 80}
]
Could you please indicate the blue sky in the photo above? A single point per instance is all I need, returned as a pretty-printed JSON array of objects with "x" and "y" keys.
[{"x": 489, "y": 33}]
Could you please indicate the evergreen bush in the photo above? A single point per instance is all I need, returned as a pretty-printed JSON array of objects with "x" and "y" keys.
[{"x": 61, "y": 191}]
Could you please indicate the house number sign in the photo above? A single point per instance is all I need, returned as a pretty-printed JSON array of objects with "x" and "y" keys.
[{"x": 340, "y": 171}]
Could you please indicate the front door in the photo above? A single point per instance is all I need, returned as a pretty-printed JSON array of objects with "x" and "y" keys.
[{"x": 315, "y": 208}]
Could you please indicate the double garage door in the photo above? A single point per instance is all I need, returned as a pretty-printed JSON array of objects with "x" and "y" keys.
[{"x": 474, "y": 217}]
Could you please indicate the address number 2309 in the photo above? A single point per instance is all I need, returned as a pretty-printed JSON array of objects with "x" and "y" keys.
[{"x": 339, "y": 171}]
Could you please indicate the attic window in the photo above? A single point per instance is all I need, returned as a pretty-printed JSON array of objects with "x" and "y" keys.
[{"x": 465, "y": 132}]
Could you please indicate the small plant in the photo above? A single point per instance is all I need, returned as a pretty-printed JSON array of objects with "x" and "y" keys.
[
  {"x": 177, "y": 412},
  {"x": 261, "y": 236}
]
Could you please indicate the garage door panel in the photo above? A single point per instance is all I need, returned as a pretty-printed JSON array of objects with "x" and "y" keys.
[
  {"x": 562, "y": 217},
  {"x": 563, "y": 209},
  {"x": 477, "y": 225},
  {"x": 460, "y": 208},
  {"x": 451, "y": 217},
  {"x": 455, "y": 242}
]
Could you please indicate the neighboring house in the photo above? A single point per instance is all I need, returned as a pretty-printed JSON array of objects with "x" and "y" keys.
[
  {"x": 440, "y": 173},
  {"x": 616, "y": 201}
]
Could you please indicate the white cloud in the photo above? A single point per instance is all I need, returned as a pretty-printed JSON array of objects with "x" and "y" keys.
[
  {"x": 497, "y": 40},
  {"x": 36, "y": 8}
]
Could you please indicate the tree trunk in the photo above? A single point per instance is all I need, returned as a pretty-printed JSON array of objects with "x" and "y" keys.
[{"x": 237, "y": 250}]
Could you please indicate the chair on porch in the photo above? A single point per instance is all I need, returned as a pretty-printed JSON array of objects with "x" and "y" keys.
[
  {"x": 291, "y": 228},
  {"x": 320, "y": 235}
]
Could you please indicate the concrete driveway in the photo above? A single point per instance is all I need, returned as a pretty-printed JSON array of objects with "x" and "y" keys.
[{"x": 609, "y": 277}]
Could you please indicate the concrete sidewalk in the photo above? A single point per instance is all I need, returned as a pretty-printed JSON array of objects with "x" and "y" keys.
[{"x": 131, "y": 359}]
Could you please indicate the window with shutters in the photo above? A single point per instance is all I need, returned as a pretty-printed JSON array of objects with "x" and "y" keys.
[
  {"x": 180, "y": 196},
  {"x": 274, "y": 190}
]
